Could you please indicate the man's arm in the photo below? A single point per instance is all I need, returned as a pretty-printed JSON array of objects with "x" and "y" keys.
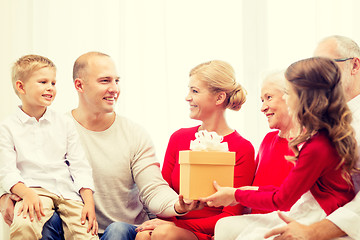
[
  {"x": 343, "y": 221},
  {"x": 323, "y": 230},
  {"x": 154, "y": 191},
  {"x": 7, "y": 206},
  {"x": 347, "y": 218}
]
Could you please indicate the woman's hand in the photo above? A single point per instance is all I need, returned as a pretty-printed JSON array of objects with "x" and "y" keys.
[
  {"x": 224, "y": 196},
  {"x": 152, "y": 224}
]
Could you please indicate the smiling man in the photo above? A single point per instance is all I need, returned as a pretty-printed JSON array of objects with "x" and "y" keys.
[{"x": 126, "y": 172}]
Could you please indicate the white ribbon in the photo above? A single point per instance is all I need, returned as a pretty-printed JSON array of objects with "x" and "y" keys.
[{"x": 208, "y": 141}]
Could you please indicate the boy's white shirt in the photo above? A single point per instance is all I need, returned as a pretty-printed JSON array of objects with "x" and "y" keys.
[{"x": 34, "y": 152}]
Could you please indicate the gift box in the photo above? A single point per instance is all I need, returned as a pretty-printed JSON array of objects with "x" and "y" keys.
[{"x": 199, "y": 169}]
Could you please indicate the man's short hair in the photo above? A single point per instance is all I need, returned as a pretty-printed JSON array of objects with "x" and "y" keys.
[{"x": 81, "y": 63}]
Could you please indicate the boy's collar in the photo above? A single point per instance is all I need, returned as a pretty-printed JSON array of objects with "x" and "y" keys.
[{"x": 23, "y": 117}]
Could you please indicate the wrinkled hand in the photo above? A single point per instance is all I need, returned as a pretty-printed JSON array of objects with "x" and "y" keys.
[
  {"x": 184, "y": 206},
  {"x": 292, "y": 231},
  {"x": 32, "y": 204},
  {"x": 152, "y": 224},
  {"x": 7, "y": 207},
  {"x": 88, "y": 212},
  {"x": 224, "y": 196}
]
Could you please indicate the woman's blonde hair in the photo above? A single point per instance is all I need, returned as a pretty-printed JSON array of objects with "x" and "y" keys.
[
  {"x": 220, "y": 77},
  {"x": 322, "y": 106}
]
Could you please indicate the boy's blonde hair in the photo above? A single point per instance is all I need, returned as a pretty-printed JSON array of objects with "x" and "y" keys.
[{"x": 26, "y": 65}]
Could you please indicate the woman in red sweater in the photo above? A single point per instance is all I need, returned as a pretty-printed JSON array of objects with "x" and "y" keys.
[
  {"x": 212, "y": 89},
  {"x": 325, "y": 154},
  {"x": 272, "y": 167}
]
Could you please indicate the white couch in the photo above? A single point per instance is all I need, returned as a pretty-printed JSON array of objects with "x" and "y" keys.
[{"x": 4, "y": 230}]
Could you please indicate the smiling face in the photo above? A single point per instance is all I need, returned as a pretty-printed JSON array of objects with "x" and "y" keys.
[
  {"x": 100, "y": 85},
  {"x": 202, "y": 101},
  {"x": 274, "y": 106},
  {"x": 38, "y": 91}
]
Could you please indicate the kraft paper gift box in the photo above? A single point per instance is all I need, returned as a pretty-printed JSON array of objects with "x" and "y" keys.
[{"x": 199, "y": 169}]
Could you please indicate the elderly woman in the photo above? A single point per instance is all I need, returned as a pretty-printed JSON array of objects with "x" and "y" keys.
[{"x": 272, "y": 167}]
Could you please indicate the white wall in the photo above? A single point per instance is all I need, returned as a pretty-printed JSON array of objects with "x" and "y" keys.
[{"x": 155, "y": 44}]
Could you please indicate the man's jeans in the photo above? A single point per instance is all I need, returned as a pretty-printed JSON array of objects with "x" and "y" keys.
[{"x": 53, "y": 230}]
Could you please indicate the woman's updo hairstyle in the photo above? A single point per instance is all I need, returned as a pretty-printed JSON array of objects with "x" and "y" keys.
[{"x": 220, "y": 77}]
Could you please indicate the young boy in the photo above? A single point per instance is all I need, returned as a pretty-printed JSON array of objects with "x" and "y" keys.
[{"x": 41, "y": 159}]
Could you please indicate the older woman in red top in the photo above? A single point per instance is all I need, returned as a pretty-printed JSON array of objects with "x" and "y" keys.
[
  {"x": 325, "y": 152},
  {"x": 212, "y": 89},
  {"x": 272, "y": 167}
]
